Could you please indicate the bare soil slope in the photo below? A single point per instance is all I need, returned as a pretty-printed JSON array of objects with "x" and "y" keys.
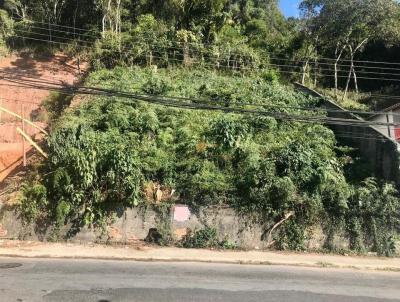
[{"x": 25, "y": 100}]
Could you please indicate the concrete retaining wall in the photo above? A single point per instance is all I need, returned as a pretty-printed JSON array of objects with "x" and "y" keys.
[{"x": 134, "y": 224}]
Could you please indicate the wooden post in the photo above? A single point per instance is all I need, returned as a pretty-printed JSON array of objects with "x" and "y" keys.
[
  {"x": 23, "y": 138},
  {"x": 36, "y": 146}
]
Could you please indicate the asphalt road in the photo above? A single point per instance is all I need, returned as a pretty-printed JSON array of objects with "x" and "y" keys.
[{"x": 102, "y": 281}]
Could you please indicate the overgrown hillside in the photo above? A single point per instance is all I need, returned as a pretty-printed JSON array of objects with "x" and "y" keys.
[
  {"x": 276, "y": 161},
  {"x": 108, "y": 152}
]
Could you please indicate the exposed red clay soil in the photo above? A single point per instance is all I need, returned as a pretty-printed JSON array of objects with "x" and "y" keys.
[{"x": 25, "y": 100}]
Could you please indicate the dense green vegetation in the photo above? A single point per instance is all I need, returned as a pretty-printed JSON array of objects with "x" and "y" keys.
[
  {"x": 107, "y": 153},
  {"x": 111, "y": 152}
]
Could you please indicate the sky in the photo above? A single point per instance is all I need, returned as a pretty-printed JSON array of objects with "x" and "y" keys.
[{"x": 290, "y": 7}]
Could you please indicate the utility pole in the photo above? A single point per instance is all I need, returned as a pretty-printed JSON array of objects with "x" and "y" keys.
[{"x": 23, "y": 138}]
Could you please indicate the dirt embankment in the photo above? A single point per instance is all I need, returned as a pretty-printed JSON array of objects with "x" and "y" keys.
[{"x": 26, "y": 99}]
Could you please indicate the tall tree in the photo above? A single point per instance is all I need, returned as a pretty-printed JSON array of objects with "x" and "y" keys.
[
  {"x": 53, "y": 9},
  {"x": 111, "y": 15},
  {"x": 348, "y": 25},
  {"x": 18, "y": 7}
]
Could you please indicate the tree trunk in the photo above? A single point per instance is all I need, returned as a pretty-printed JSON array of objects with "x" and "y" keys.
[
  {"x": 117, "y": 18},
  {"x": 108, "y": 14},
  {"x": 354, "y": 70},
  {"x": 338, "y": 56},
  {"x": 75, "y": 16},
  {"x": 118, "y": 24},
  {"x": 78, "y": 59},
  {"x": 315, "y": 71},
  {"x": 21, "y": 11},
  {"x": 355, "y": 78},
  {"x": 106, "y": 18},
  {"x": 150, "y": 58},
  {"x": 186, "y": 55},
  {"x": 78, "y": 62},
  {"x": 350, "y": 72},
  {"x": 305, "y": 66},
  {"x": 50, "y": 38},
  {"x": 103, "y": 22}
]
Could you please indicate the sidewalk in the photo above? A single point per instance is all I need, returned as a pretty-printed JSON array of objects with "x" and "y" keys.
[{"x": 139, "y": 252}]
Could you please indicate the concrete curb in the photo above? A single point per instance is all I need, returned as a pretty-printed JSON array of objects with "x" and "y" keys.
[
  {"x": 35, "y": 250},
  {"x": 189, "y": 260}
]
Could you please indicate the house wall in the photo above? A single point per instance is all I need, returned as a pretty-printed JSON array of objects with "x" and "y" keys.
[
  {"x": 378, "y": 149},
  {"x": 388, "y": 118}
]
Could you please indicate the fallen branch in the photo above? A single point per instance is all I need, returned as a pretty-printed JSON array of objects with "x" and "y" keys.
[{"x": 286, "y": 217}]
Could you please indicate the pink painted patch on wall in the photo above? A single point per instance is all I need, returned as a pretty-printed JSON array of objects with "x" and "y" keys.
[{"x": 181, "y": 213}]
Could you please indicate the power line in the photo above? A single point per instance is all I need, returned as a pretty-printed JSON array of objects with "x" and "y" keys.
[
  {"x": 295, "y": 119},
  {"x": 238, "y": 67},
  {"x": 327, "y": 69},
  {"x": 361, "y": 61},
  {"x": 208, "y": 44},
  {"x": 58, "y": 84},
  {"x": 198, "y": 106},
  {"x": 57, "y": 25},
  {"x": 60, "y": 31},
  {"x": 384, "y": 96},
  {"x": 312, "y": 62},
  {"x": 352, "y": 136},
  {"x": 282, "y": 71},
  {"x": 53, "y": 37},
  {"x": 276, "y": 65}
]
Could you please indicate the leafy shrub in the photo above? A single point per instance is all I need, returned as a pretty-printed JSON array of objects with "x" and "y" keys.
[
  {"x": 93, "y": 172},
  {"x": 271, "y": 76},
  {"x": 33, "y": 202},
  {"x": 106, "y": 52},
  {"x": 56, "y": 103},
  {"x": 156, "y": 86},
  {"x": 6, "y": 25},
  {"x": 373, "y": 217},
  {"x": 291, "y": 237},
  {"x": 228, "y": 132},
  {"x": 205, "y": 238}
]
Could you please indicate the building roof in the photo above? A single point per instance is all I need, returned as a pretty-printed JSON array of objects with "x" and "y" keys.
[
  {"x": 388, "y": 109},
  {"x": 392, "y": 108}
]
